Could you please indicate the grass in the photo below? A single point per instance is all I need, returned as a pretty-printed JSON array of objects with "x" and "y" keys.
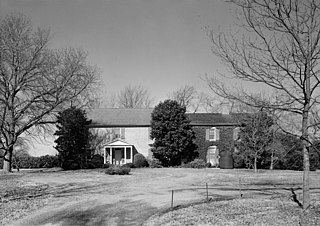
[
  {"x": 132, "y": 199},
  {"x": 239, "y": 212}
]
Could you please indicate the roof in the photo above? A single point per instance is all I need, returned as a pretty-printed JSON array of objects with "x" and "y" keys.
[
  {"x": 212, "y": 119},
  {"x": 117, "y": 143},
  {"x": 116, "y": 117}
]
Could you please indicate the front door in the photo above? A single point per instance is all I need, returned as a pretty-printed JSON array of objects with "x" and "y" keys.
[{"x": 118, "y": 155}]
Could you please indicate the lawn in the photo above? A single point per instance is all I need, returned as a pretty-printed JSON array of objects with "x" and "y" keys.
[{"x": 90, "y": 197}]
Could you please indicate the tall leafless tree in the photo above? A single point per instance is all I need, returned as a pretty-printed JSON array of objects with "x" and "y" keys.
[
  {"x": 134, "y": 97},
  {"x": 185, "y": 96},
  {"x": 280, "y": 50},
  {"x": 36, "y": 81}
]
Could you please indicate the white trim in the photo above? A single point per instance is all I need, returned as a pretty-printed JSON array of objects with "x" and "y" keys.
[
  {"x": 105, "y": 156},
  {"x": 214, "y": 133},
  {"x": 215, "y": 160}
]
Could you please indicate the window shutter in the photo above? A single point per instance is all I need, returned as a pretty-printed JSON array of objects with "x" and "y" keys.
[
  {"x": 207, "y": 134},
  {"x": 217, "y": 134},
  {"x": 123, "y": 133},
  {"x": 236, "y": 133}
]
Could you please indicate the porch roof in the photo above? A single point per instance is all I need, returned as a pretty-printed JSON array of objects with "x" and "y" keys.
[{"x": 117, "y": 143}]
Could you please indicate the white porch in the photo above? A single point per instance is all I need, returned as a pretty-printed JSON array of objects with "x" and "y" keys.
[{"x": 118, "y": 152}]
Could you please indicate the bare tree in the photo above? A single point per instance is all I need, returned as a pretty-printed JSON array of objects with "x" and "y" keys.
[
  {"x": 36, "y": 81},
  {"x": 185, "y": 96},
  {"x": 193, "y": 100},
  {"x": 99, "y": 137},
  {"x": 255, "y": 136},
  {"x": 134, "y": 97},
  {"x": 280, "y": 50}
]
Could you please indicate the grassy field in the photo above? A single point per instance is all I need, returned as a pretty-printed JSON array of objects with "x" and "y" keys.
[{"x": 90, "y": 197}]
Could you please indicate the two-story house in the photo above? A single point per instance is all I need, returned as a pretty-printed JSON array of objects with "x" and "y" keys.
[{"x": 215, "y": 133}]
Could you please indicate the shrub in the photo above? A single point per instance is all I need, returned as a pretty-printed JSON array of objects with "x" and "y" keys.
[
  {"x": 96, "y": 162},
  {"x": 128, "y": 165},
  {"x": 154, "y": 163},
  {"x": 238, "y": 161},
  {"x": 106, "y": 165},
  {"x": 208, "y": 165},
  {"x": 139, "y": 161},
  {"x": 117, "y": 170},
  {"x": 198, "y": 163}
]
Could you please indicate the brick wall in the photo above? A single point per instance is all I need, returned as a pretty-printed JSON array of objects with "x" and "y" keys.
[{"x": 225, "y": 142}]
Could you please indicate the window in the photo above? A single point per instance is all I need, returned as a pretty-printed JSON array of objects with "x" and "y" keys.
[
  {"x": 119, "y": 133},
  {"x": 236, "y": 133},
  {"x": 128, "y": 153},
  {"x": 213, "y": 156},
  {"x": 212, "y": 134}
]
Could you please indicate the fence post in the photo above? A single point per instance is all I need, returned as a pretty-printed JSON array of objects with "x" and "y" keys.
[
  {"x": 207, "y": 192},
  {"x": 172, "y": 200},
  {"x": 240, "y": 193}
]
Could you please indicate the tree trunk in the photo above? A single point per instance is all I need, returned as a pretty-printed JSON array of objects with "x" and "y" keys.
[
  {"x": 255, "y": 164},
  {"x": 7, "y": 160},
  {"x": 271, "y": 161},
  {"x": 306, "y": 162},
  {"x": 305, "y": 137}
]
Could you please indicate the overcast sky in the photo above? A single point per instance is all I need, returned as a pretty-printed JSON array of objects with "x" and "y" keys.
[{"x": 159, "y": 44}]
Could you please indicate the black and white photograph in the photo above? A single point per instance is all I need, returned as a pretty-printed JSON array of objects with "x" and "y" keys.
[{"x": 159, "y": 112}]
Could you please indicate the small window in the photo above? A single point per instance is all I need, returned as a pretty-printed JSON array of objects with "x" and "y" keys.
[
  {"x": 108, "y": 151},
  {"x": 212, "y": 134},
  {"x": 128, "y": 153},
  {"x": 117, "y": 133},
  {"x": 236, "y": 133}
]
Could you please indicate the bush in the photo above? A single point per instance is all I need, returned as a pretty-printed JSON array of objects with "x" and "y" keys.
[
  {"x": 106, "y": 165},
  {"x": 154, "y": 163},
  {"x": 208, "y": 165},
  {"x": 128, "y": 165},
  {"x": 139, "y": 161},
  {"x": 198, "y": 163},
  {"x": 96, "y": 162},
  {"x": 117, "y": 170},
  {"x": 238, "y": 161}
]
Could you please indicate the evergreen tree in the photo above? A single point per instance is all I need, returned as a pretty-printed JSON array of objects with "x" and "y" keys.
[
  {"x": 73, "y": 138},
  {"x": 172, "y": 134}
]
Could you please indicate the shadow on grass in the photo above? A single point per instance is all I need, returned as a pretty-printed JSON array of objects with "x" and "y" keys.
[{"x": 121, "y": 213}]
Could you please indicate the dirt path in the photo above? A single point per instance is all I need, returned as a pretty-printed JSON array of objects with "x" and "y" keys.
[{"x": 94, "y": 198}]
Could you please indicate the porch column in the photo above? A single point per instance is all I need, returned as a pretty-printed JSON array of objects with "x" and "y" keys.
[
  {"x": 125, "y": 155},
  {"x": 105, "y": 156},
  {"x": 111, "y": 161},
  {"x": 131, "y": 154}
]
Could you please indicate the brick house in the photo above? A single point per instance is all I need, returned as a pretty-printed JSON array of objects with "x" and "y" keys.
[{"x": 130, "y": 133}]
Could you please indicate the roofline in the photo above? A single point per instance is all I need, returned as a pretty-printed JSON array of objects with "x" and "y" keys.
[
  {"x": 116, "y": 125},
  {"x": 148, "y": 125},
  {"x": 213, "y": 124}
]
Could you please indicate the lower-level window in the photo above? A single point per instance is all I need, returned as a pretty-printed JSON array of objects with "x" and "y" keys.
[
  {"x": 128, "y": 153},
  {"x": 213, "y": 155}
]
